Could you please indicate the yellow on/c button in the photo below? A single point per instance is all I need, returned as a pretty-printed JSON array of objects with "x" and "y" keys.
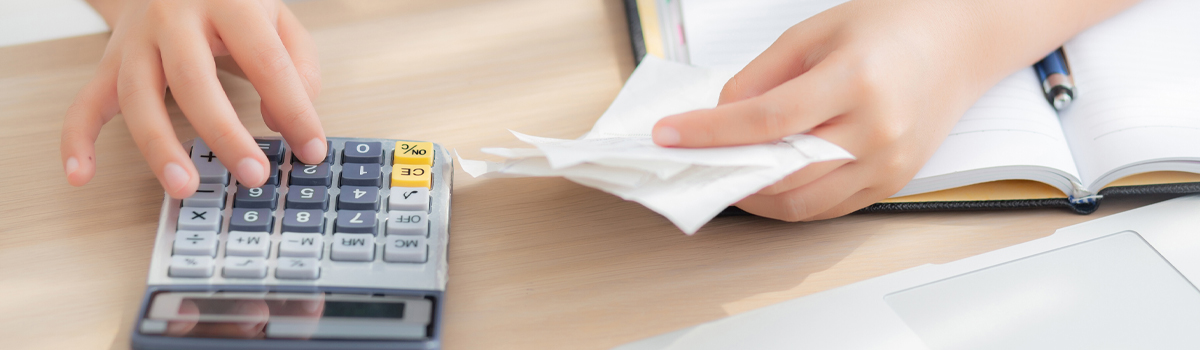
[
  {"x": 404, "y": 175},
  {"x": 416, "y": 153}
]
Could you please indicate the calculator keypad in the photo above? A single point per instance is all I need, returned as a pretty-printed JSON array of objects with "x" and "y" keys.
[{"x": 371, "y": 206}]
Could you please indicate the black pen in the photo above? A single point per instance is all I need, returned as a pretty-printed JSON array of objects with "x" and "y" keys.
[{"x": 1056, "y": 79}]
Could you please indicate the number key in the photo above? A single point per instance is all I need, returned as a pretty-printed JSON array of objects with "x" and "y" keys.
[
  {"x": 251, "y": 220},
  {"x": 359, "y": 198},
  {"x": 355, "y": 221},
  {"x": 305, "y": 221},
  {"x": 258, "y": 197},
  {"x": 361, "y": 175},
  {"x": 311, "y": 174},
  {"x": 363, "y": 152},
  {"x": 307, "y": 197}
]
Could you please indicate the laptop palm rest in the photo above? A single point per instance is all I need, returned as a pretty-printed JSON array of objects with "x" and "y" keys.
[{"x": 1111, "y": 292}]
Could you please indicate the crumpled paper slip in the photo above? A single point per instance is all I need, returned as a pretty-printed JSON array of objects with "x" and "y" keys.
[{"x": 688, "y": 186}]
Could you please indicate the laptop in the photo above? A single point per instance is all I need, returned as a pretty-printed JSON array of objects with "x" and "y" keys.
[{"x": 1120, "y": 282}]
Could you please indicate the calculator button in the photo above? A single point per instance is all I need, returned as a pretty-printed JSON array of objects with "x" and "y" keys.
[
  {"x": 252, "y": 220},
  {"x": 311, "y": 175},
  {"x": 250, "y": 244},
  {"x": 207, "y": 196},
  {"x": 355, "y": 221},
  {"x": 353, "y": 247},
  {"x": 359, "y": 198},
  {"x": 406, "y": 249},
  {"x": 272, "y": 148},
  {"x": 328, "y": 154},
  {"x": 273, "y": 178},
  {"x": 415, "y": 153},
  {"x": 257, "y": 197},
  {"x": 411, "y": 176},
  {"x": 201, "y": 243},
  {"x": 407, "y": 223},
  {"x": 298, "y": 268},
  {"x": 300, "y": 220},
  {"x": 207, "y": 165},
  {"x": 363, "y": 152},
  {"x": 361, "y": 175},
  {"x": 307, "y": 197},
  {"x": 199, "y": 219},
  {"x": 409, "y": 199},
  {"x": 190, "y": 266},
  {"x": 301, "y": 245},
  {"x": 245, "y": 267}
]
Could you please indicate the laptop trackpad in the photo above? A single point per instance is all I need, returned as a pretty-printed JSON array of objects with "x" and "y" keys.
[{"x": 1113, "y": 292}]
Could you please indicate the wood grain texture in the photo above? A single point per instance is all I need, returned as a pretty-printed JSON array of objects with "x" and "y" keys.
[{"x": 534, "y": 263}]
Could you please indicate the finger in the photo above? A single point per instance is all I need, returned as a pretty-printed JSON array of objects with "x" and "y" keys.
[
  {"x": 791, "y": 108},
  {"x": 267, "y": 118},
  {"x": 859, "y": 200},
  {"x": 140, "y": 90},
  {"x": 95, "y": 105},
  {"x": 302, "y": 49},
  {"x": 183, "y": 328},
  {"x": 256, "y": 46},
  {"x": 192, "y": 75},
  {"x": 792, "y": 54},
  {"x": 257, "y": 311},
  {"x": 803, "y": 203},
  {"x": 803, "y": 176}
]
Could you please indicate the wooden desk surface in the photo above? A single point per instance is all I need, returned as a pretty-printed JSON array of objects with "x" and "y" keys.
[{"x": 534, "y": 263}]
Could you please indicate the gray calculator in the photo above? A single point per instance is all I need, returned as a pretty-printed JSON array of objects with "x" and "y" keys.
[{"x": 348, "y": 254}]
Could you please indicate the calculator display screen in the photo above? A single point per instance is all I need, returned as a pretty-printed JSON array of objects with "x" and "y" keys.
[
  {"x": 363, "y": 310},
  {"x": 289, "y": 316},
  {"x": 300, "y": 308}
]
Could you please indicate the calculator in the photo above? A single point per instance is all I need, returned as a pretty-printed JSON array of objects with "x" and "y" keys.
[{"x": 348, "y": 254}]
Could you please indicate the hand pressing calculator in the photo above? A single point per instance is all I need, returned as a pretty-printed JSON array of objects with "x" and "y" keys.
[{"x": 348, "y": 254}]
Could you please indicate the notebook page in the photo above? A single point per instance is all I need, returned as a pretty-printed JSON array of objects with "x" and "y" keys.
[
  {"x": 728, "y": 34},
  {"x": 1011, "y": 125},
  {"x": 1138, "y": 76}
]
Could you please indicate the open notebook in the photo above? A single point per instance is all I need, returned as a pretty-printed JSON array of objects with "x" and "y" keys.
[{"x": 1133, "y": 129}]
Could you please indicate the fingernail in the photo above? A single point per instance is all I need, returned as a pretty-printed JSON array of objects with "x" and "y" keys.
[
  {"x": 176, "y": 177},
  {"x": 666, "y": 136},
  {"x": 315, "y": 149},
  {"x": 250, "y": 171},
  {"x": 71, "y": 166}
]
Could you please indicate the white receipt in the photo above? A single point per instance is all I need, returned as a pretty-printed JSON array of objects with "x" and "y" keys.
[{"x": 688, "y": 186}]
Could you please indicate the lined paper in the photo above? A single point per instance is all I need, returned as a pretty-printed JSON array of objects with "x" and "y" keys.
[
  {"x": 1139, "y": 92},
  {"x": 728, "y": 34}
]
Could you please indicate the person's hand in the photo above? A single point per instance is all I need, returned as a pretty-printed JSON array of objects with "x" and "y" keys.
[
  {"x": 884, "y": 79},
  {"x": 160, "y": 44}
]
